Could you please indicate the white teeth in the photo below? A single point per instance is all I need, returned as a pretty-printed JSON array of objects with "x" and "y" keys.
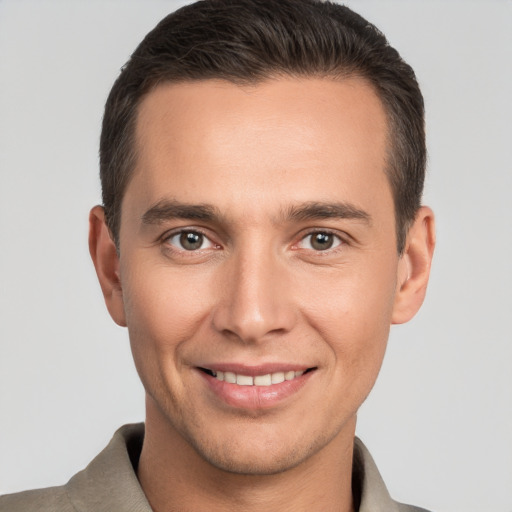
[
  {"x": 259, "y": 380},
  {"x": 230, "y": 377},
  {"x": 277, "y": 378},
  {"x": 244, "y": 380},
  {"x": 263, "y": 380}
]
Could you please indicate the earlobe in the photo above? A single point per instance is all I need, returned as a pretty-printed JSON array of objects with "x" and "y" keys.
[
  {"x": 414, "y": 267},
  {"x": 106, "y": 262}
]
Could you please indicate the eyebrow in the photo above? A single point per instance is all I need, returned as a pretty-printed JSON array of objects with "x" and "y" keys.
[
  {"x": 165, "y": 210},
  {"x": 318, "y": 210}
]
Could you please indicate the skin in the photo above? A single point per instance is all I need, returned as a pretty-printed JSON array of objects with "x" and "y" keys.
[{"x": 257, "y": 291}]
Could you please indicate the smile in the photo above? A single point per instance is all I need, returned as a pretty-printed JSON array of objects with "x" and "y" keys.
[{"x": 258, "y": 380}]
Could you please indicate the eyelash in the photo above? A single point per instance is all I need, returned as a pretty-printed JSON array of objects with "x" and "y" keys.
[
  {"x": 341, "y": 241},
  {"x": 168, "y": 246},
  {"x": 167, "y": 237}
]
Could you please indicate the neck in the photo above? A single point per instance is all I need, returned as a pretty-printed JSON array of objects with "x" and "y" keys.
[{"x": 175, "y": 477}]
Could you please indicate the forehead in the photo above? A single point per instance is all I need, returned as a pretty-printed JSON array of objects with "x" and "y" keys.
[{"x": 214, "y": 141}]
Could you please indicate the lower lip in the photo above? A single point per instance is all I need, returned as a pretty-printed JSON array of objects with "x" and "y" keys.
[{"x": 255, "y": 397}]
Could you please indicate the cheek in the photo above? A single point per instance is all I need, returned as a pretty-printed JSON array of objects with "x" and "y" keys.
[
  {"x": 355, "y": 327},
  {"x": 361, "y": 294},
  {"x": 163, "y": 302},
  {"x": 164, "y": 308},
  {"x": 352, "y": 308}
]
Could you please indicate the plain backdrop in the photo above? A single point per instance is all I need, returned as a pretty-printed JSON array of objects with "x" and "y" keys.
[{"x": 439, "y": 421}]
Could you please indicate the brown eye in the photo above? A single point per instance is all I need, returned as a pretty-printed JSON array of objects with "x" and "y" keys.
[
  {"x": 190, "y": 241},
  {"x": 320, "y": 241}
]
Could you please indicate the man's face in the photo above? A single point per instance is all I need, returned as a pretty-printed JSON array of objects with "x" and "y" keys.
[{"x": 257, "y": 244}]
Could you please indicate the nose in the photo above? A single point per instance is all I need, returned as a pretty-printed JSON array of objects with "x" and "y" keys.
[{"x": 254, "y": 301}]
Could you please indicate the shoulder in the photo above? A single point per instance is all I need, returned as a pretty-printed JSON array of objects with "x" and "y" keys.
[
  {"x": 52, "y": 499},
  {"x": 108, "y": 483},
  {"x": 402, "y": 507},
  {"x": 370, "y": 491}
]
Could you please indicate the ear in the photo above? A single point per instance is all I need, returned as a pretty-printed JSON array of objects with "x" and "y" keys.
[
  {"x": 414, "y": 267},
  {"x": 106, "y": 262}
]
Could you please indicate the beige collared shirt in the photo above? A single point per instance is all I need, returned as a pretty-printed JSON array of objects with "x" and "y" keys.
[{"x": 109, "y": 483}]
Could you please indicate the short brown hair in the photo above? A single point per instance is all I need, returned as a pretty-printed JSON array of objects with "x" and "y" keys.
[{"x": 248, "y": 41}]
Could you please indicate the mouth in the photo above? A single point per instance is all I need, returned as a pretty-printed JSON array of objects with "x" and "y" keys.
[
  {"x": 256, "y": 388},
  {"x": 264, "y": 380}
]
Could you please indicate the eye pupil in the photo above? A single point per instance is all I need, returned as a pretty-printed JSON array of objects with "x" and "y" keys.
[
  {"x": 190, "y": 240},
  {"x": 322, "y": 241}
]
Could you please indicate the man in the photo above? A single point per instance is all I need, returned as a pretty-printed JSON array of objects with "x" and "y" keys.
[{"x": 262, "y": 166}]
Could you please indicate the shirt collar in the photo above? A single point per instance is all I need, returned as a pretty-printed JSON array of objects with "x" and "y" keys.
[{"x": 110, "y": 482}]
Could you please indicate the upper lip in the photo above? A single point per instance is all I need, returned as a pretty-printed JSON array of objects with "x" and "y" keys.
[{"x": 255, "y": 370}]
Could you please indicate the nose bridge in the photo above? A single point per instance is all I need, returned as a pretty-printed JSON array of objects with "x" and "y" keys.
[{"x": 255, "y": 299}]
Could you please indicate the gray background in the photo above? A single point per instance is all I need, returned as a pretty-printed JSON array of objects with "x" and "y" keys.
[{"x": 439, "y": 422}]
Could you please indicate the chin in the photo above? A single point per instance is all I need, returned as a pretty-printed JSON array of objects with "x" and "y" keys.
[
  {"x": 252, "y": 464},
  {"x": 261, "y": 455}
]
